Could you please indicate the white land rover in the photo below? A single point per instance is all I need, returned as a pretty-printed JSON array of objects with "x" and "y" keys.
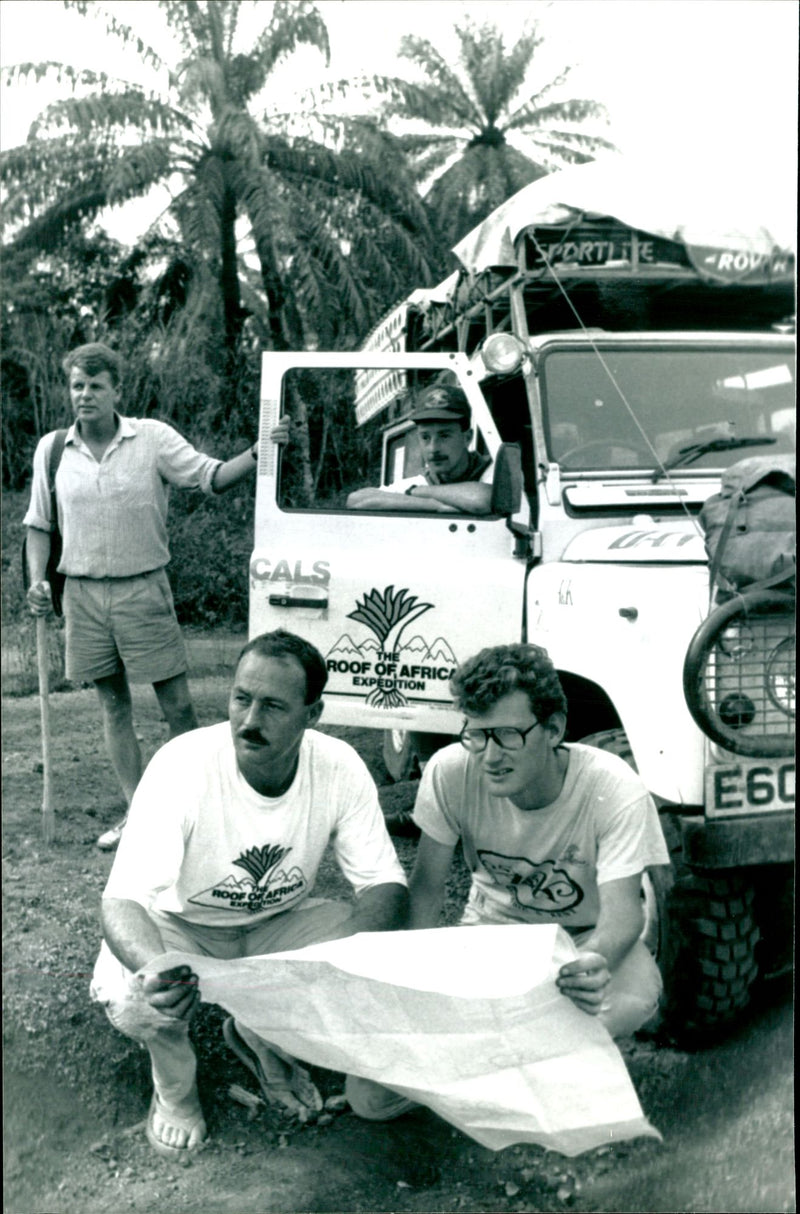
[{"x": 614, "y": 372}]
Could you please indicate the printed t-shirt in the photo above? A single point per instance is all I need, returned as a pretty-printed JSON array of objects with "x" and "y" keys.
[
  {"x": 201, "y": 843},
  {"x": 543, "y": 865}
]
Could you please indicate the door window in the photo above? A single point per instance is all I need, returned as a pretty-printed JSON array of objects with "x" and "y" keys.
[{"x": 331, "y": 455}]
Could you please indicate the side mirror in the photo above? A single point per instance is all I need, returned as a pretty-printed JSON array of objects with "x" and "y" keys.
[{"x": 507, "y": 480}]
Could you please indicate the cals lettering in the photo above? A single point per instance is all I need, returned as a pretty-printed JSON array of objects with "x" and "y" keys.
[{"x": 261, "y": 570}]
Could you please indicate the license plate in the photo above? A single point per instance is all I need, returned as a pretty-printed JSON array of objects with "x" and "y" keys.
[{"x": 747, "y": 788}]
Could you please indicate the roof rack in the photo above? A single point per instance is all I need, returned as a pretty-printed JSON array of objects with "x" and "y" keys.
[{"x": 617, "y": 279}]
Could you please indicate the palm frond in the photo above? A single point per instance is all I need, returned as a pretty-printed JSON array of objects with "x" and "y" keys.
[
  {"x": 202, "y": 78},
  {"x": 442, "y": 80},
  {"x": 304, "y": 160},
  {"x": 291, "y": 26},
  {"x": 30, "y": 163},
  {"x": 137, "y": 169},
  {"x": 47, "y": 231},
  {"x": 478, "y": 182},
  {"x": 537, "y": 99},
  {"x": 197, "y": 212},
  {"x": 41, "y": 173},
  {"x": 561, "y": 143},
  {"x": 132, "y": 109},
  {"x": 423, "y": 153},
  {"x": 519, "y": 59},
  {"x": 215, "y": 14},
  {"x": 484, "y": 61},
  {"x": 235, "y": 136},
  {"x": 188, "y": 21},
  {"x": 19, "y": 73},
  {"x": 574, "y": 110},
  {"x": 231, "y": 25},
  {"x": 118, "y": 30}
]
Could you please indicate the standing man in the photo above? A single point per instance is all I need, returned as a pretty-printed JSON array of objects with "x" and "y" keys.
[
  {"x": 455, "y": 478},
  {"x": 219, "y": 857},
  {"x": 112, "y": 490}
]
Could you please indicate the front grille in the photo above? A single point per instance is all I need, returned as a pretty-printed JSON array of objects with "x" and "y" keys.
[{"x": 739, "y": 676}]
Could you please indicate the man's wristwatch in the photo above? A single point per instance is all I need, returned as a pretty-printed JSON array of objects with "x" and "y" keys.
[
  {"x": 410, "y": 490},
  {"x": 254, "y": 451}
]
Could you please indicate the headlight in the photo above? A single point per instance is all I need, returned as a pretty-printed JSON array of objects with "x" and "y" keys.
[
  {"x": 502, "y": 353},
  {"x": 738, "y": 677}
]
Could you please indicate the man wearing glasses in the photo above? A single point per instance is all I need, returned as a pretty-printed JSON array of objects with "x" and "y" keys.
[{"x": 552, "y": 832}]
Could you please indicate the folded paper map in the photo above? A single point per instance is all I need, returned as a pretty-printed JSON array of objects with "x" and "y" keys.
[{"x": 467, "y": 1021}]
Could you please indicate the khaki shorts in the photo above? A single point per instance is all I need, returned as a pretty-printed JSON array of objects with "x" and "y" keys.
[{"x": 127, "y": 623}]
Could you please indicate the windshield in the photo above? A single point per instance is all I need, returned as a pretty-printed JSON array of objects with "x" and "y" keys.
[{"x": 680, "y": 398}]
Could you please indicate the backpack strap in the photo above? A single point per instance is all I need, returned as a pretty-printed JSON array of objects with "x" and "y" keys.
[
  {"x": 53, "y": 460},
  {"x": 737, "y": 500}
]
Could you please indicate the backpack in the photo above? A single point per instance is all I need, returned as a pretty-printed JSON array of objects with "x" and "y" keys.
[
  {"x": 750, "y": 527},
  {"x": 52, "y": 575}
]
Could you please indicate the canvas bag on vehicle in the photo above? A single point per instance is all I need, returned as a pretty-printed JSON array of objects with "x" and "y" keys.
[{"x": 750, "y": 526}]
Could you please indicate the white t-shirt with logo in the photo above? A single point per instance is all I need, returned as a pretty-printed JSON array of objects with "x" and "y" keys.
[
  {"x": 543, "y": 865},
  {"x": 201, "y": 843}
]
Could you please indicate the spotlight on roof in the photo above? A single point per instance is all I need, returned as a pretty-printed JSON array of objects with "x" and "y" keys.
[{"x": 502, "y": 353}]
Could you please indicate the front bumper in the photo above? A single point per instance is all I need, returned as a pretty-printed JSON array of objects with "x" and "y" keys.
[{"x": 738, "y": 842}]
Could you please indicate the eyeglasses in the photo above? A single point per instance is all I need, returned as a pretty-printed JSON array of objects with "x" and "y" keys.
[{"x": 508, "y": 737}]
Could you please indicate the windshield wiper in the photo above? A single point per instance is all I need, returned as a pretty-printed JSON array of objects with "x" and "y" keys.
[{"x": 687, "y": 455}]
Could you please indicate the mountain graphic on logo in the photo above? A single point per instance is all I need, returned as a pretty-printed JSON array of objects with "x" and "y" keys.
[
  {"x": 345, "y": 646},
  {"x": 293, "y": 877},
  {"x": 417, "y": 647},
  {"x": 441, "y": 653},
  {"x": 251, "y": 896},
  {"x": 232, "y": 883}
]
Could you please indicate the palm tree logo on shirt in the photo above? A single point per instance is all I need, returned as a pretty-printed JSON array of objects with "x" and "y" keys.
[
  {"x": 258, "y": 861},
  {"x": 267, "y": 886}
]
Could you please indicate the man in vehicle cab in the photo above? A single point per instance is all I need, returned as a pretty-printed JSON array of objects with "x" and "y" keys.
[{"x": 455, "y": 479}]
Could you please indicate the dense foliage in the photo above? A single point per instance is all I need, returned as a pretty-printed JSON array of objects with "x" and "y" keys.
[
  {"x": 332, "y": 230},
  {"x": 277, "y": 240},
  {"x": 286, "y": 230}
]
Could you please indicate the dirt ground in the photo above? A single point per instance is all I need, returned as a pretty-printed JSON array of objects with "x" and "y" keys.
[{"x": 76, "y": 1092}]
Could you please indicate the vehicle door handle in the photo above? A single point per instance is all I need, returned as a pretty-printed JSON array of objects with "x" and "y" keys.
[{"x": 287, "y": 600}]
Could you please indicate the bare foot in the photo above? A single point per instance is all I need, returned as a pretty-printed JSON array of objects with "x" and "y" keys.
[
  {"x": 283, "y": 1081},
  {"x": 286, "y": 1082},
  {"x": 174, "y": 1129}
]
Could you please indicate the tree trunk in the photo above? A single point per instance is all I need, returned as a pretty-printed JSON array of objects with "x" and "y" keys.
[
  {"x": 229, "y": 276},
  {"x": 273, "y": 289},
  {"x": 286, "y": 333},
  {"x": 302, "y": 445},
  {"x": 322, "y": 450}
]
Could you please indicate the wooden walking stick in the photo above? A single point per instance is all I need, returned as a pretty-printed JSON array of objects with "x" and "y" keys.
[{"x": 42, "y": 657}]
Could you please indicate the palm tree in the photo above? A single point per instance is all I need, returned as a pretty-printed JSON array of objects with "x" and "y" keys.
[
  {"x": 481, "y": 130},
  {"x": 338, "y": 232}
]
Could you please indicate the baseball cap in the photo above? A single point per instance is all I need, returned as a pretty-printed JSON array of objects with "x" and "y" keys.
[{"x": 442, "y": 404}]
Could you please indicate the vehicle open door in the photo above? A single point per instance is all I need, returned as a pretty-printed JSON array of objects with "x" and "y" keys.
[{"x": 380, "y": 593}]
